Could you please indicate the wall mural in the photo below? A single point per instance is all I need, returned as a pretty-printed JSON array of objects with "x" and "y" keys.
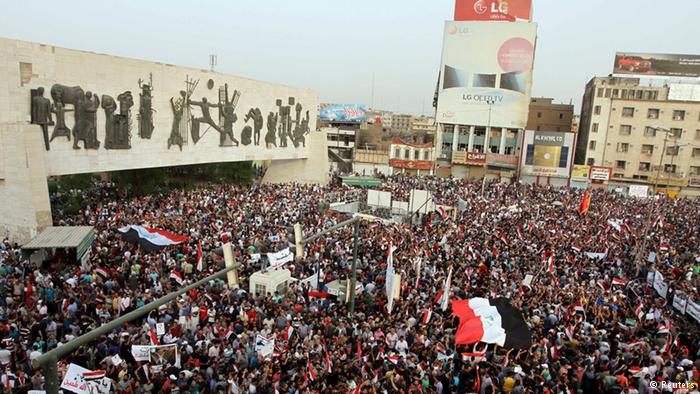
[
  {"x": 189, "y": 118},
  {"x": 146, "y": 108}
]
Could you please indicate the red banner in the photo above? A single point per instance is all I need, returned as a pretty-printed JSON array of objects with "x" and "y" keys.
[
  {"x": 412, "y": 164},
  {"x": 493, "y": 10}
]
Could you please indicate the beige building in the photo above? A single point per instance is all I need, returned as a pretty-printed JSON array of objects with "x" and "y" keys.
[
  {"x": 618, "y": 129},
  {"x": 401, "y": 122},
  {"x": 546, "y": 115}
]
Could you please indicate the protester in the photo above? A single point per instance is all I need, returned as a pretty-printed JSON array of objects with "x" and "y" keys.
[{"x": 597, "y": 326}]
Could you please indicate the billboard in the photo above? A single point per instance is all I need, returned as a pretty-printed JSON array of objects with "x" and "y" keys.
[
  {"x": 580, "y": 172},
  {"x": 547, "y": 153},
  {"x": 411, "y": 164},
  {"x": 464, "y": 157},
  {"x": 684, "y": 92},
  {"x": 493, "y": 10},
  {"x": 351, "y": 113},
  {"x": 505, "y": 161},
  {"x": 657, "y": 64},
  {"x": 600, "y": 174},
  {"x": 486, "y": 74}
]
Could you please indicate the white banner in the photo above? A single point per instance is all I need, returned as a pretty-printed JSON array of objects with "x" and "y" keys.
[
  {"x": 680, "y": 301},
  {"x": 693, "y": 309},
  {"x": 659, "y": 285},
  {"x": 310, "y": 281},
  {"x": 650, "y": 278},
  {"x": 157, "y": 355},
  {"x": 264, "y": 346},
  {"x": 279, "y": 259},
  {"x": 75, "y": 381}
]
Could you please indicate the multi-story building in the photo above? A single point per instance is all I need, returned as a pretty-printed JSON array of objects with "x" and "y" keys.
[
  {"x": 545, "y": 115},
  {"x": 622, "y": 126},
  {"x": 409, "y": 158},
  {"x": 401, "y": 122}
]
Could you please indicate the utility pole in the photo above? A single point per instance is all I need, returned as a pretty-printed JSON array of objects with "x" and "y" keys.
[{"x": 49, "y": 360}]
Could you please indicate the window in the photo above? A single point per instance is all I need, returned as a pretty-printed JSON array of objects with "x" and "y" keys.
[
  {"x": 463, "y": 130},
  {"x": 600, "y": 92},
  {"x": 448, "y": 128},
  {"x": 678, "y": 115},
  {"x": 696, "y": 152},
  {"x": 406, "y": 154},
  {"x": 623, "y": 147},
  {"x": 590, "y": 161},
  {"x": 672, "y": 150},
  {"x": 644, "y": 166},
  {"x": 426, "y": 155},
  {"x": 649, "y": 132},
  {"x": 596, "y": 110},
  {"x": 594, "y": 128},
  {"x": 620, "y": 164},
  {"x": 670, "y": 168},
  {"x": 640, "y": 177},
  {"x": 539, "y": 114},
  {"x": 676, "y": 132},
  {"x": 694, "y": 170},
  {"x": 697, "y": 134},
  {"x": 591, "y": 145},
  {"x": 639, "y": 94},
  {"x": 494, "y": 148},
  {"x": 647, "y": 149},
  {"x": 479, "y": 148},
  {"x": 259, "y": 289},
  {"x": 561, "y": 116},
  {"x": 416, "y": 155},
  {"x": 627, "y": 112},
  {"x": 624, "y": 93},
  {"x": 607, "y": 92},
  {"x": 462, "y": 147},
  {"x": 538, "y": 128},
  {"x": 480, "y": 131},
  {"x": 509, "y": 150},
  {"x": 653, "y": 113},
  {"x": 618, "y": 175},
  {"x": 625, "y": 129},
  {"x": 397, "y": 153},
  {"x": 616, "y": 93}
]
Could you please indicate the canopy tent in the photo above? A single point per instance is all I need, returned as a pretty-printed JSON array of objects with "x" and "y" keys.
[{"x": 79, "y": 238}]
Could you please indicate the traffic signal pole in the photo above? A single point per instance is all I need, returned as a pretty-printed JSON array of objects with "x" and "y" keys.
[
  {"x": 49, "y": 360},
  {"x": 356, "y": 243}
]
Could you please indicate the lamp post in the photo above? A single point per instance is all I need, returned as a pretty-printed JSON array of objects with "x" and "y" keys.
[{"x": 650, "y": 216}]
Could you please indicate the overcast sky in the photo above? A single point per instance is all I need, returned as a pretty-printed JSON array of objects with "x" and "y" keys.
[{"x": 339, "y": 47}]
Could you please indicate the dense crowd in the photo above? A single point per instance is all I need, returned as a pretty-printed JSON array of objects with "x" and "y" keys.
[{"x": 587, "y": 333}]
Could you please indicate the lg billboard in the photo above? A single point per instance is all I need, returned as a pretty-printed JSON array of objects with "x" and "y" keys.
[
  {"x": 486, "y": 74},
  {"x": 493, "y": 10}
]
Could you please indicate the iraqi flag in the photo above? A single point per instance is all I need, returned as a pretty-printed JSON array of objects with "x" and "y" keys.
[
  {"x": 176, "y": 276},
  {"x": 576, "y": 248},
  {"x": 445, "y": 301},
  {"x": 153, "y": 337},
  {"x": 150, "y": 239},
  {"x": 639, "y": 310},
  {"x": 519, "y": 231},
  {"x": 659, "y": 221},
  {"x": 618, "y": 282},
  {"x": 200, "y": 262},
  {"x": 427, "y": 314},
  {"x": 491, "y": 321},
  {"x": 102, "y": 272},
  {"x": 550, "y": 264}
]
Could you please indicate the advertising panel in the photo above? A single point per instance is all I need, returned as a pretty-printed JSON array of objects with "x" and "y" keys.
[
  {"x": 486, "y": 73},
  {"x": 657, "y": 65},
  {"x": 351, "y": 113},
  {"x": 600, "y": 174},
  {"x": 411, "y": 164},
  {"x": 506, "y": 161},
  {"x": 694, "y": 182},
  {"x": 580, "y": 172},
  {"x": 493, "y": 10},
  {"x": 464, "y": 157},
  {"x": 547, "y": 153}
]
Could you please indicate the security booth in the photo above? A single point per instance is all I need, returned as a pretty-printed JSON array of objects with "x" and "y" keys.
[
  {"x": 269, "y": 282},
  {"x": 59, "y": 246}
]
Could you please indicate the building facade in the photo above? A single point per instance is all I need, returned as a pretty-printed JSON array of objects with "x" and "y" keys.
[
  {"x": 545, "y": 115},
  {"x": 401, "y": 122},
  {"x": 412, "y": 159},
  {"x": 622, "y": 127}
]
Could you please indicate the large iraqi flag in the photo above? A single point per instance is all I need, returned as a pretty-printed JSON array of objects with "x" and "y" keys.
[
  {"x": 491, "y": 321},
  {"x": 150, "y": 238}
]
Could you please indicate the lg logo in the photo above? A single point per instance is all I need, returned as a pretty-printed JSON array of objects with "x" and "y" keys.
[{"x": 480, "y": 7}]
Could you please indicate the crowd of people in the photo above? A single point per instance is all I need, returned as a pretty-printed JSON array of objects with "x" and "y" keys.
[{"x": 597, "y": 325}]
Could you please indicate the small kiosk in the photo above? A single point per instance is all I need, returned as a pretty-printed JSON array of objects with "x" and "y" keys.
[
  {"x": 270, "y": 282},
  {"x": 60, "y": 245}
]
